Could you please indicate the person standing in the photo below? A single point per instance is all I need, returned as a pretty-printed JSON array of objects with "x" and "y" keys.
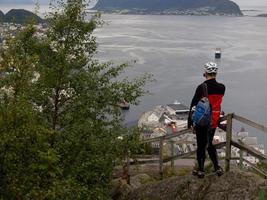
[{"x": 205, "y": 134}]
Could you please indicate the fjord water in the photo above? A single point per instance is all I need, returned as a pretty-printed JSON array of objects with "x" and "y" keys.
[{"x": 174, "y": 48}]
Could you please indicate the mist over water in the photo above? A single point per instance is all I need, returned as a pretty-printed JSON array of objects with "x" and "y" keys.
[{"x": 174, "y": 49}]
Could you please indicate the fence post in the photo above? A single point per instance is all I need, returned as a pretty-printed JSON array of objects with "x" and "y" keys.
[
  {"x": 161, "y": 158},
  {"x": 241, "y": 159},
  {"x": 172, "y": 154},
  {"x": 228, "y": 142},
  {"x": 241, "y": 156}
]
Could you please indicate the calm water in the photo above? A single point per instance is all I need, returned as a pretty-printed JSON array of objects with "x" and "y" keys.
[{"x": 173, "y": 48}]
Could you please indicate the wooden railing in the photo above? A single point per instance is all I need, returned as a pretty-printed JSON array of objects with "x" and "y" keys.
[
  {"x": 228, "y": 143},
  {"x": 161, "y": 140},
  {"x": 243, "y": 147},
  {"x": 173, "y": 157}
]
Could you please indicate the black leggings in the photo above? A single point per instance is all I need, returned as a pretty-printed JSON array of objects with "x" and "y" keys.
[{"x": 205, "y": 136}]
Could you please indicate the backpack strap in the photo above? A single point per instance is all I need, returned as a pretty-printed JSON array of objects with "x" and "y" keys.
[{"x": 205, "y": 89}]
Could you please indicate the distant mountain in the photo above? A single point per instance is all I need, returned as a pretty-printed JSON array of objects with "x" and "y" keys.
[
  {"x": 21, "y": 16},
  {"x": 158, "y": 6}
]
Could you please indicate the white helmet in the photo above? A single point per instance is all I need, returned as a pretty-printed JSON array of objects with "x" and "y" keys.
[{"x": 210, "y": 68}]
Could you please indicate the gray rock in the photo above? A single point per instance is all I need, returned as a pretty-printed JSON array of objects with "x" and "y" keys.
[{"x": 235, "y": 185}]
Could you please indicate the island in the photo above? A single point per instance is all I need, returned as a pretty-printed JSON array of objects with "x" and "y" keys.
[
  {"x": 262, "y": 15},
  {"x": 19, "y": 16},
  {"x": 171, "y": 7}
]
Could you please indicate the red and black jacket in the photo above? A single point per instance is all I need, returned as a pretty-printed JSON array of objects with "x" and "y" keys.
[{"x": 215, "y": 94}]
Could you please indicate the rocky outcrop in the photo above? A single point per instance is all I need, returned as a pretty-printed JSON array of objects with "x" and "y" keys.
[{"x": 235, "y": 185}]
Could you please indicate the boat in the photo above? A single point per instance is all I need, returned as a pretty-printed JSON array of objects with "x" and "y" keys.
[{"x": 218, "y": 53}]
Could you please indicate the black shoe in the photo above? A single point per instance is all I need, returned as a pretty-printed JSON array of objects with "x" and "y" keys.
[
  {"x": 199, "y": 174},
  {"x": 219, "y": 171}
]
